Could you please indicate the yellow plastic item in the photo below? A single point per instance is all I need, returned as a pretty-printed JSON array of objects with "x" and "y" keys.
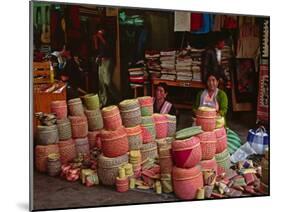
[
  {"x": 121, "y": 172},
  {"x": 132, "y": 183}
]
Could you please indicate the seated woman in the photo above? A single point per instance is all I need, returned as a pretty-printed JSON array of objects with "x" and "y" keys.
[
  {"x": 212, "y": 96},
  {"x": 161, "y": 105}
]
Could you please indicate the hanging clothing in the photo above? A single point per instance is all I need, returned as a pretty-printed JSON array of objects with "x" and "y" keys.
[
  {"x": 196, "y": 21},
  {"x": 165, "y": 108},
  {"x": 182, "y": 21},
  {"x": 207, "y": 24},
  {"x": 230, "y": 22},
  {"x": 218, "y": 23}
]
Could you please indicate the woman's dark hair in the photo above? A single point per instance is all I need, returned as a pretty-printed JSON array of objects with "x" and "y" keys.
[
  {"x": 214, "y": 74},
  {"x": 164, "y": 86}
]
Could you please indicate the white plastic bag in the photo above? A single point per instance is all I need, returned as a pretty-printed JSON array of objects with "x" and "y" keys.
[{"x": 242, "y": 153}]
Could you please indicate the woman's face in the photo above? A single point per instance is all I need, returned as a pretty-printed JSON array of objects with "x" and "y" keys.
[
  {"x": 212, "y": 83},
  {"x": 160, "y": 93}
]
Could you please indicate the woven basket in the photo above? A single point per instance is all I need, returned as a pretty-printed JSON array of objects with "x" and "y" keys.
[
  {"x": 206, "y": 112},
  {"x": 161, "y": 125},
  {"x": 207, "y": 124},
  {"x": 186, "y": 153},
  {"x": 135, "y": 139},
  {"x": 163, "y": 143},
  {"x": 41, "y": 156},
  {"x": 111, "y": 117},
  {"x": 131, "y": 118},
  {"x": 209, "y": 164},
  {"x": 208, "y": 145},
  {"x": 146, "y": 105},
  {"x": 148, "y": 129},
  {"x": 114, "y": 143},
  {"x": 92, "y": 101},
  {"x": 165, "y": 160},
  {"x": 79, "y": 126},
  {"x": 149, "y": 150},
  {"x": 94, "y": 118},
  {"x": 94, "y": 139},
  {"x": 82, "y": 146},
  {"x": 172, "y": 125},
  {"x": 47, "y": 135},
  {"x": 265, "y": 171},
  {"x": 122, "y": 184},
  {"x": 59, "y": 108},
  {"x": 129, "y": 104},
  {"x": 187, "y": 181},
  {"x": 166, "y": 183},
  {"x": 75, "y": 107},
  {"x": 108, "y": 168},
  {"x": 54, "y": 164},
  {"x": 67, "y": 151},
  {"x": 223, "y": 161},
  {"x": 64, "y": 129},
  {"x": 221, "y": 140}
]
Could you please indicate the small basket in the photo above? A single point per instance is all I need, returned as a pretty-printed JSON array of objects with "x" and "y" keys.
[
  {"x": 82, "y": 146},
  {"x": 79, "y": 126},
  {"x": 67, "y": 150},
  {"x": 172, "y": 125},
  {"x": 92, "y": 101},
  {"x": 146, "y": 105},
  {"x": 161, "y": 125},
  {"x": 122, "y": 184},
  {"x": 149, "y": 150},
  {"x": 47, "y": 135},
  {"x": 64, "y": 129},
  {"x": 75, "y": 107},
  {"x": 223, "y": 161},
  {"x": 54, "y": 164},
  {"x": 41, "y": 156},
  {"x": 135, "y": 138},
  {"x": 221, "y": 140},
  {"x": 129, "y": 104},
  {"x": 209, "y": 165},
  {"x": 208, "y": 145},
  {"x": 207, "y": 124},
  {"x": 95, "y": 121},
  {"x": 59, "y": 107},
  {"x": 108, "y": 168},
  {"x": 111, "y": 117},
  {"x": 206, "y": 112},
  {"x": 131, "y": 118}
]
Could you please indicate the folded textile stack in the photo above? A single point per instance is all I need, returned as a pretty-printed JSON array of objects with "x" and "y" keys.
[
  {"x": 196, "y": 55},
  {"x": 137, "y": 74},
  {"x": 168, "y": 60},
  {"x": 183, "y": 65},
  {"x": 153, "y": 63}
]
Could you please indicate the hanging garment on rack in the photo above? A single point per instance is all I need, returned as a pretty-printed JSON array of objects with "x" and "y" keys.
[
  {"x": 230, "y": 22},
  {"x": 182, "y": 21},
  {"x": 196, "y": 21},
  {"x": 207, "y": 24},
  {"x": 218, "y": 23}
]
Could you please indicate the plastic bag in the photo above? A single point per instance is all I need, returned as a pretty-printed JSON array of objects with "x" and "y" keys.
[
  {"x": 242, "y": 153},
  {"x": 258, "y": 139}
]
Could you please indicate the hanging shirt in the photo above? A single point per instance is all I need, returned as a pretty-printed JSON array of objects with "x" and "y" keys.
[
  {"x": 207, "y": 24},
  {"x": 182, "y": 21},
  {"x": 196, "y": 21}
]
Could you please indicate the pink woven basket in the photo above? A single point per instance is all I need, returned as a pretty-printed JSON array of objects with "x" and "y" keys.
[
  {"x": 59, "y": 108},
  {"x": 146, "y": 105},
  {"x": 207, "y": 124},
  {"x": 186, "y": 153},
  {"x": 94, "y": 139},
  {"x": 79, "y": 126},
  {"x": 208, "y": 145},
  {"x": 67, "y": 150},
  {"x": 122, "y": 185},
  {"x": 41, "y": 156},
  {"x": 186, "y": 182},
  {"x": 75, "y": 107},
  {"x": 111, "y": 117},
  {"x": 82, "y": 146},
  {"x": 209, "y": 164},
  {"x": 148, "y": 129},
  {"x": 221, "y": 140},
  {"x": 114, "y": 143},
  {"x": 161, "y": 125}
]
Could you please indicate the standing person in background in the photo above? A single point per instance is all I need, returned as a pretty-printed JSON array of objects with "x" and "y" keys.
[{"x": 104, "y": 59}]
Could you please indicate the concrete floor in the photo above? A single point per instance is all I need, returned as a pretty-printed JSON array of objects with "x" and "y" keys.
[{"x": 55, "y": 193}]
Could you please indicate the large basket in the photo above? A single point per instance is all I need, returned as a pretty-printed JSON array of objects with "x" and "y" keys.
[
  {"x": 122, "y": 184},
  {"x": 41, "y": 156},
  {"x": 64, "y": 129},
  {"x": 108, "y": 168},
  {"x": 67, "y": 151},
  {"x": 209, "y": 165},
  {"x": 111, "y": 117},
  {"x": 161, "y": 125},
  {"x": 94, "y": 118},
  {"x": 131, "y": 118},
  {"x": 149, "y": 150},
  {"x": 59, "y": 107},
  {"x": 135, "y": 138},
  {"x": 172, "y": 125},
  {"x": 82, "y": 146},
  {"x": 94, "y": 139},
  {"x": 165, "y": 160},
  {"x": 208, "y": 145},
  {"x": 148, "y": 129},
  {"x": 92, "y": 101},
  {"x": 221, "y": 140},
  {"x": 167, "y": 183},
  {"x": 223, "y": 161},
  {"x": 129, "y": 104},
  {"x": 79, "y": 126},
  {"x": 146, "y": 105},
  {"x": 114, "y": 143},
  {"x": 47, "y": 135},
  {"x": 186, "y": 153},
  {"x": 187, "y": 181},
  {"x": 75, "y": 107}
]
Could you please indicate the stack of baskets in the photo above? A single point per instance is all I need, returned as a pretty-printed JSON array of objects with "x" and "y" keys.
[
  {"x": 186, "y": 174},
  {"x": 130, "y": 112}
]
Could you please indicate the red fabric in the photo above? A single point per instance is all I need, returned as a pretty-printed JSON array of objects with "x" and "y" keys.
[
  {"x": 196, "y": 21},
  {"x": 180, "y": 157},
  {"x": 230, "y": 22},
  {"x": 74, "y": 16}
]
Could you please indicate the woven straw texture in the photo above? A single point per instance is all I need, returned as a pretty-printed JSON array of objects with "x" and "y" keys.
[
  {"x": 207, "y": 124},
  {"x": 79, "y": 126},
  {"x": 54, "y": 166},
  {"x": 165, "y": 160},
  {"x": 59, "y": 108},
  {"x": 92, "y": 101},
  {"x": 221, "y": 140},
  {"x": 135, "y": 138},
  {"x": 111, "y": 117},
  {"x": 95, "y": 121},
  {"x": 75, "y": 107},
  {"x": 186, "y": 153},
  {"x": 161, "y": 125},
  {"x": 223, "y": 161},
  {"x": 108, "y": 168},
  {"x": 67, "y": 151},
  {"x": 208, "y": 145},
  {"x": 82, "y": 146},
  {"x": 47, "y": 135},
  {"x": 129, "y": 104},
  {"x": 186, "y": 182},
  {"x": 131, "y": 118},
  {"x": 209, "y": 164},
  {"x": 167, "y": 183},
  {"x": 206, "y": 112},
  {"x": 64, "y": 129},
  {"x": 172, "y": 125},
  {"x": 149, "y": 150},
  {"x": 41, "y": 156},
  {"x": 94, "y": 139}
]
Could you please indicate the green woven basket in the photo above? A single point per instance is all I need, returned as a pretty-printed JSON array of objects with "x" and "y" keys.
[{"x": 92, "y": 101}]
